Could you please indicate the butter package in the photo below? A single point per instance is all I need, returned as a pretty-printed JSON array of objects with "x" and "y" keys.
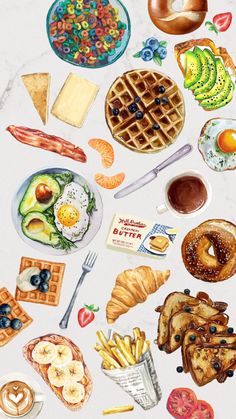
[{"x": 137, "y": 235}]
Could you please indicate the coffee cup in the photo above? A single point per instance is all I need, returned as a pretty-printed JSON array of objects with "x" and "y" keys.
[{"x": 186, "y": 195}]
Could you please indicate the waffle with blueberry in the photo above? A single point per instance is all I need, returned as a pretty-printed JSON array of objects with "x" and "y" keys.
[{"x": 145, "y": 110}]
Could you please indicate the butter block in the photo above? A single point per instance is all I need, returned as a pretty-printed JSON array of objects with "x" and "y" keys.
[{"x": 74, "y": 100}]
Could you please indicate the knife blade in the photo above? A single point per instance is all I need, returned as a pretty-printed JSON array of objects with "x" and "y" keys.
[{"x": 150, "y": 176}]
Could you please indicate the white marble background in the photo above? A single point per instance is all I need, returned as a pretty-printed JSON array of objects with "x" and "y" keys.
[{"x": 24, "y": 49}]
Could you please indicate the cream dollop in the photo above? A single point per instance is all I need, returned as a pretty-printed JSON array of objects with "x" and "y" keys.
[{"x": 23, "y": 279}]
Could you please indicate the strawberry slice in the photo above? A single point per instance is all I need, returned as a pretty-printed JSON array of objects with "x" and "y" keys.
[
  {"x": 86, "y": 315},
  {"x": 221, "y": 22}
]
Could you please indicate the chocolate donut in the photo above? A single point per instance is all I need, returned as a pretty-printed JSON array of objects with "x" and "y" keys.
[
  {"x": 177, "y": 17},
  {"x": 218, "y": 235}
]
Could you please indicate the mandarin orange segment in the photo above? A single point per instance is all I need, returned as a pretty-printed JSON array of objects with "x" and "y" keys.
[
  {"x": 105, "y": 149},
  {"x": 109, "y": 182}
]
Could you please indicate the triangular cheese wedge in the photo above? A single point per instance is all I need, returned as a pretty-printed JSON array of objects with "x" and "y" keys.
[{"x": 38, "y": 85}]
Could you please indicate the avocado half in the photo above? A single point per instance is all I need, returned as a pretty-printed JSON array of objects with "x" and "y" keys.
[
  {"x": 36, "y": 227},
  {"x": 30, "y": 203}
]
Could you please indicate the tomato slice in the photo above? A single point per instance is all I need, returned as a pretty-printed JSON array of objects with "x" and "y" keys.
[
  {"x": 222, "y": 21},
  {"x": 181, "y": 403},
  {"x": 203, "y": 411}
]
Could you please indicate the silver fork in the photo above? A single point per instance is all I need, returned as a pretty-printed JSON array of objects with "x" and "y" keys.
[{"x": 86, "y": 268}]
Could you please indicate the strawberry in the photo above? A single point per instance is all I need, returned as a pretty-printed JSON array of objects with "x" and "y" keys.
[
  {"x": 86, "y": 315},
  {"x": 221, "y": 22}
]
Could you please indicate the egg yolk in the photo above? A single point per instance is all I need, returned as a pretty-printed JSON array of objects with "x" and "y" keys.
[
  {"x": 68, "y": 215},
  {"x": 227, "y": 141}
]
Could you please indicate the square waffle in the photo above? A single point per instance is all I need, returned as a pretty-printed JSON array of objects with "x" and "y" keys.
[
  {"x": 138, "y": 134},
  {"x": 52, "y": 297},
  {"x": 16, "y": 312}
]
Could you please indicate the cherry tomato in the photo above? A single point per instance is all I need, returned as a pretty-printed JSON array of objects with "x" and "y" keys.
[
  {"x": 181, "y": 403},
  {"x": 203, "y": 411},
  {"x": 222, "y": 21}
]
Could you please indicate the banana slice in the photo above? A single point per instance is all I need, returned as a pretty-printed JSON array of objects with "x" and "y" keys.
[
  {"x": 57, "y": 376},
  {"x": 74, "y": 371},
  {"x": 44, "y": 352},
  {"x": 64, "y": 355},
  {"x": 23, "y": 279},
  {"x": 73, "y": 392}
]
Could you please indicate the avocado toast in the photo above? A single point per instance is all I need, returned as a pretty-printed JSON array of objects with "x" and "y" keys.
[{"x": 208, "y": 71}]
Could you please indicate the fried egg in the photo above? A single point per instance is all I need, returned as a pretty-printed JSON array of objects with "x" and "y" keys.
[
  {"x": 217, "y": 144},
  {"x": 70, "y": 211}
]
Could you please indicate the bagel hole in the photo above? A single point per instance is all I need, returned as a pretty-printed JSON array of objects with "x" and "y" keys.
[
  {"x": 178, "y": 5},
  {"x": 211, "y": 251}
]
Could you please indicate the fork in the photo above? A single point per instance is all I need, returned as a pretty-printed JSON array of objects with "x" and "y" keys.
[{"x": 86, "y": 268}]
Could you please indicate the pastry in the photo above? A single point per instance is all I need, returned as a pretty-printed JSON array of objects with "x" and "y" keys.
[
  {"x": 209, "y": 72},
  {"x": 34, "y": 295},
  {"x": 187, "y": 17},
  {"x": 38, "y": 85},
  {"x": 13, "y": 317},
  {"x": 61, "y": 365},
  {"x": 145, "y": 110},
  {"x": 219, "y": 235},
  {"x": 132, "y": 287}
]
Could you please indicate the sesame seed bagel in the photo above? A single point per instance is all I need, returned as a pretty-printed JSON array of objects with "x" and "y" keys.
[{"x": 209, "y": 251}]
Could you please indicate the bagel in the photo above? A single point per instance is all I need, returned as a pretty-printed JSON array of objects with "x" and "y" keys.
[
  {"x": 218, "y": 235},
  {"x": 177, "y": 17}
]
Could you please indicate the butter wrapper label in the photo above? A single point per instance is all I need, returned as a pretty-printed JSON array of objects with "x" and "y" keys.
[{"x": 138, "y": 235}]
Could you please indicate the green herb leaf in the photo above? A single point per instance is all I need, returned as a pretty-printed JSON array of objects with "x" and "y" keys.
[
  {"x": 211, "y": 27},
  {"x": 157, "y": 60},
  {"x": 144, "y": 44},
  {"x": 137, "y": 55},
  {"x": 163, "y": 43}
]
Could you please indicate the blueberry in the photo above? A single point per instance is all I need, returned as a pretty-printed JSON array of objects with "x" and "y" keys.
[
  {"x": 187, "y": 291},
  {"x": 216, "y": 365},
  {"x": 157, "y": 101},
  {"x": 147, "y": 54},
  {"x": 230, "y": 373},
  {"x": 137, "y": 99},
  {"x": 161, "y": 89},
  {"x": 4, "y": 322},
  {"x": 133, "y": 108},
  {"x": 152, "y": 43},
  {"x": 156, "y": 126},
  {"x": 164, "y": 101},
  {"x": 177, "y": 338},
  {"x": 5, "y": 309},
  {"x": 223, "y": 341},
  {"x": 212, "y": 329},
  {"x": 115, "y": 111},
  {"x": 16, "y": 324},
  {"x": 43, "y": 287},
  {"x": 179, "y": 369},
  {"x": 187, "y": 309},
  {"x": 192, "y": 338},
  {"x": 45, "y": 275},
  {"x": 139, "y": 115},
  {"x": 162, "y": 51},
  {"x": 35, "y": 280},
  {"x": 230, "y": 330}
]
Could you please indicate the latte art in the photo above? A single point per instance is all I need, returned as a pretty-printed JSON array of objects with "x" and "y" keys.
[{"x": 16, "y": 398}]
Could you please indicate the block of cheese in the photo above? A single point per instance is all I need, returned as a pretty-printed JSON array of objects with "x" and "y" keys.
[
  {"x": 74, "y": 100},
  {"x": 38, "y": 87}
]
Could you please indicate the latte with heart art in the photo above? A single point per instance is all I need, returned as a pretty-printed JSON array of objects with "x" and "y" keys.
[{"x": 16, "y": 398}]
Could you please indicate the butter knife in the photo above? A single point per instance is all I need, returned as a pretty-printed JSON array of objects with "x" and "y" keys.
[{"x": 150, "y": 176}]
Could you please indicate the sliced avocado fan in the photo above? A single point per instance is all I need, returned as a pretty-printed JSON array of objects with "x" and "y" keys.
[
  {"x": 219, "y": 83},
  {"x": 205, "y": 75},
  {"x": 193, "y": 69},
  {"x": 211, "y": 63},
  {"x": 220, "y": 100}
]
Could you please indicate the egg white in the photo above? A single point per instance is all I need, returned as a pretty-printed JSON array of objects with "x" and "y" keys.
[{"x": 75, "y": 196}]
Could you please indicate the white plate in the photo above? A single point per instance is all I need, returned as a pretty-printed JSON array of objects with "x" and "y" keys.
[
  {"x": 156, "y": 252},
  {"x": 96, "y": 217}
]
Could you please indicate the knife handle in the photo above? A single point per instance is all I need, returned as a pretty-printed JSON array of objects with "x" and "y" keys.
[{"x": 174, "y": 157}]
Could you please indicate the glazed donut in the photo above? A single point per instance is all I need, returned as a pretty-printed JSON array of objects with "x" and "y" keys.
[
  {"x": 177, "y": 17},
  {"x": 218, "y": 235}
]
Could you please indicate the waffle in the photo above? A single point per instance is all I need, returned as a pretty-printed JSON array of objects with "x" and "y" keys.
[
  {"x": 138, "y": 134},
  {"x": 50, "y": 298},
  {"x": 17, "y": 312}
]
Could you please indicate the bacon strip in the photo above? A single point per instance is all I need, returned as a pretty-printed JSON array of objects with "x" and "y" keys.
[{"x": 39, "y": 139}]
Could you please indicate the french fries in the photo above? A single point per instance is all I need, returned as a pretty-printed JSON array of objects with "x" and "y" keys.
[
  {"x": 119, "y": 409},
  {"x": 122, "y": 352}
]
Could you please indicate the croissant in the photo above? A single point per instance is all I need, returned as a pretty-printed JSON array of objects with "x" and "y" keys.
[{"x": 132, "y": 287}]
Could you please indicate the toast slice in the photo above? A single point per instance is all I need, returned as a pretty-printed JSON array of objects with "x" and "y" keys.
[
  {"x": 176, "y": 302},
  {"x": 204, "y": 334},
  {"x": 208, "y": 362},
  {"x": 38, "y": 86}
]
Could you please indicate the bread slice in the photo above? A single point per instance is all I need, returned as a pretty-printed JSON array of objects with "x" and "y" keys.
[
  {"x": 203, "y": 360},
  {"x": 203, "y": 334},
  {"x": 177, "y": 301},
  {"x": 38, "y": 87}
]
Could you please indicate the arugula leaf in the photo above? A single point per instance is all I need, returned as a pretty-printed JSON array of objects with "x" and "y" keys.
[
  {"x": 63, "y": 179},
  {"x": 92, "y": 200}
]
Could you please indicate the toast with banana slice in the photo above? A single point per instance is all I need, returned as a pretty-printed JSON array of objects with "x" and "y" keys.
[
  {"x": 61, "y": 365},
  {"x": 188, "y": 310},
  {"x": 208, "y": 362}
]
